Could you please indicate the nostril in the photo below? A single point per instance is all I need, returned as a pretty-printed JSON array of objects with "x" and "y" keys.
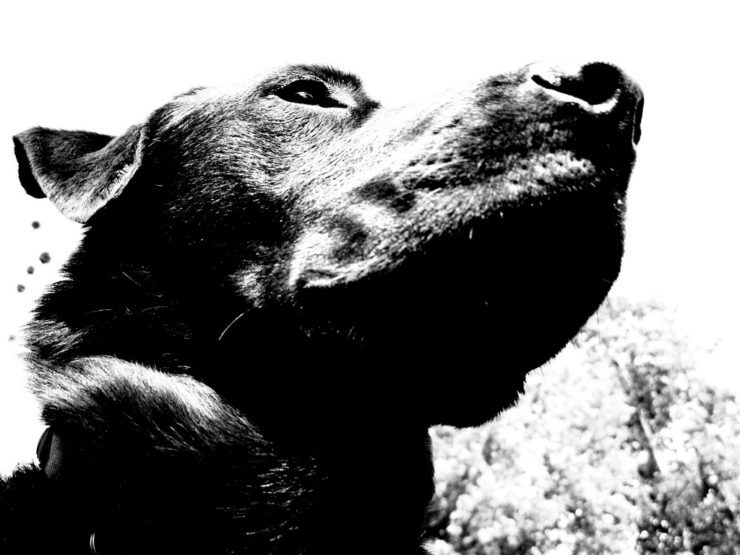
[{"x": 595, "y": 83}]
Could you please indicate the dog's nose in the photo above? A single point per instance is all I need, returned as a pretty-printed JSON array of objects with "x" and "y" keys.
[{"x": 598, "y": 87}]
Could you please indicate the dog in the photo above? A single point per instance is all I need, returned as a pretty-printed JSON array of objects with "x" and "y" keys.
[{"x": 281, "y": 287}]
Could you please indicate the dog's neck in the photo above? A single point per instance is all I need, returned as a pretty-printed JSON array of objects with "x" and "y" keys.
[{"x": 112, "y": 300}]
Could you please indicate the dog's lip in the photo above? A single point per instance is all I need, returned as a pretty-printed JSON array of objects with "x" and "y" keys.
[
  {"x": 503, "y": 209},
  {"x": 464, "y": 211},
  {"x": 531, "y": 177}
]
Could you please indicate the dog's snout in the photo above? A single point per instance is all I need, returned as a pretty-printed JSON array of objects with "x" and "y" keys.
[{"x": 599, "y": 87}]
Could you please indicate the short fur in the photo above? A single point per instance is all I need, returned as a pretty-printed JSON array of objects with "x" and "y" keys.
[{"x": 281, "y": 287}]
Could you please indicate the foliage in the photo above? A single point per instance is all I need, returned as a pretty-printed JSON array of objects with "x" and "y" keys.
[{"x": 617, "y": 447}]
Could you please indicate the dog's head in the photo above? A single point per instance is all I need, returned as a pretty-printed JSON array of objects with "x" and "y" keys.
[{"x": 299, "y": 224}]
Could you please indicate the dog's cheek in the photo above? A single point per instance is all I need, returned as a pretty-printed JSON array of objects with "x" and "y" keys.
[{"x": 222, "y": 226}]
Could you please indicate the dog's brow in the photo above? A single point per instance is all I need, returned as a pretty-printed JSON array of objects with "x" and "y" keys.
[{"x": 331, "y": 75}]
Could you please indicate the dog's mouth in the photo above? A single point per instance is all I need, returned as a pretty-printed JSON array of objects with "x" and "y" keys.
[
  {"x": 483, "y": 258},
  {"x": 551, "y": 216}
]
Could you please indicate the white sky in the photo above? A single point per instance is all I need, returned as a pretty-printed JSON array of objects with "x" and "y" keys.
[{"x": 89, "y": 65}]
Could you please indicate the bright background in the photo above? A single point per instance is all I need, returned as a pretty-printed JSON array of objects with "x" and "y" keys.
[{"x": 94, "y": 66}]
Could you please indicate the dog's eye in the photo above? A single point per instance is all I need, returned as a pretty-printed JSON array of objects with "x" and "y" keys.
[{"x": 306, "y": 91}]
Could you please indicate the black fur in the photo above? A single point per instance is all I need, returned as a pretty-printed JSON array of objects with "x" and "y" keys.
[{"x": 280, "y": 288}]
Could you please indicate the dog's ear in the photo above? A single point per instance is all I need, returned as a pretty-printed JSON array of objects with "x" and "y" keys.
[{"x": 78, "y": 171}]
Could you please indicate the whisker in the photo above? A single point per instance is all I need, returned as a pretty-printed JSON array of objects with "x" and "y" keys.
[
  {"x": 157, "y": 307},
  {"x": 220, "y": 337},
  {"x": 131, "y": 279}
]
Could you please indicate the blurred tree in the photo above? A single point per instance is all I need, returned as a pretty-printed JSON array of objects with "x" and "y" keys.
[{"x": 617, "y": 447}]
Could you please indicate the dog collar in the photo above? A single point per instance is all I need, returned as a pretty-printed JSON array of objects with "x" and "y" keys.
[{"x": 50, "y": 452}]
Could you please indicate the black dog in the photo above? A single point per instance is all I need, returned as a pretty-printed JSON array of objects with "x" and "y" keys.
[{"x": 282, "y": 287}]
